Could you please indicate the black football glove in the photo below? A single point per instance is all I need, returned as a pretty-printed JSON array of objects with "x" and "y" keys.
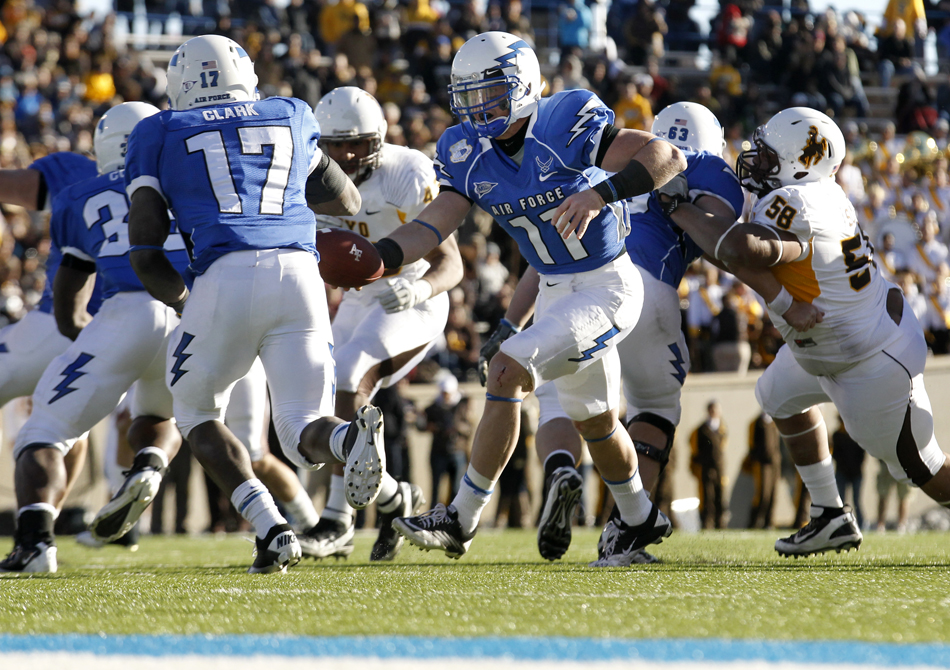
[{"x": 504, "y": 330}]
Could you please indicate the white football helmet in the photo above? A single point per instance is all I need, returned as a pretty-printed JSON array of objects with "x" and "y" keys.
[
  {"x": 796, "y": 146},
  {"x": 210, "y": 70},
  {"x": 112, "y": 133},
  {"x": 494, "y": 70},
  {"x": 691, "y": 127},
  {"x": 350, "y": 114}
]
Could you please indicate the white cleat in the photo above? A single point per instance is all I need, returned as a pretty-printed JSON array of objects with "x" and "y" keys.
[
  {"x": 830, "y": 529},
  {"x": 366, "y": 458}
]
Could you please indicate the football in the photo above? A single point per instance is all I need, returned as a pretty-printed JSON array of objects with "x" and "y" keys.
[{"x": 347, "y": 260}]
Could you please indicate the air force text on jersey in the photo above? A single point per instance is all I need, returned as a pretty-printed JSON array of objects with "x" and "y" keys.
[{"x": 530, "y": 202}]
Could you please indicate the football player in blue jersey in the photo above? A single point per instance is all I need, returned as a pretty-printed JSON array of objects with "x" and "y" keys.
[
  {"x": 654, "y": 360},
  {"x": 542, "y": 168},
  {"x": 241, "y": 176},
  {"x": 124, "y": 344},
  {"x": 28, "y": 346}
]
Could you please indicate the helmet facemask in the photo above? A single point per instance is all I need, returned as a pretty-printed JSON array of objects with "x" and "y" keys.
[
  {"x": 473, "y": 98},
  {"x": 758, "y": 168},
  {"x": 358, "y": 168}
]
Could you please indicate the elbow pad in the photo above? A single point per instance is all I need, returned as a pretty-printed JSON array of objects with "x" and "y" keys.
[{"x": 327, "y": 182}]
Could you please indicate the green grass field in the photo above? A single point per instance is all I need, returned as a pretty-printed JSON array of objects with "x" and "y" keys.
[{"x": 721, "y": 585}]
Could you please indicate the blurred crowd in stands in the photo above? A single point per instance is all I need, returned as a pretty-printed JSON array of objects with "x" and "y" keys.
[{"x": 59, "y": 71}]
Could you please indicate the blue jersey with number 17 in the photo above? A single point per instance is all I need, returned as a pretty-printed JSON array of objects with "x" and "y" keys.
[
  {"x": 560, "y": 150},
  {"x": 234, "y": 174},
  {"x": 658, "y": 245},
  {"x": 91, "y": 220},
  {"x": 59, "y": 170}
]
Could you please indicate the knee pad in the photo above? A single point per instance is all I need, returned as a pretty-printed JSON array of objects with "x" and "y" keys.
[{"x": 660, "y": 455}]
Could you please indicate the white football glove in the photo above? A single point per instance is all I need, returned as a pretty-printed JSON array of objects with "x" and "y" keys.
[
  {"x": 676, "y": 188},
  {"x": 403, "y": 294}
]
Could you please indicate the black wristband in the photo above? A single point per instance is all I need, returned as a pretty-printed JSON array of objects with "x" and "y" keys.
[
  {"x": 630, "y": 182},
  {"x": 390, "y": 252}
]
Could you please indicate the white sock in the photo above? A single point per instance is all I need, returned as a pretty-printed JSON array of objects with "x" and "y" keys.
[
  {"x": 302, "y": 510},
  {"x": 162, "y": 456},
  {"x": 337, "y": 508},
  {"x": 819, "y": 479},
  {"x": 254, "y": 502},
  {"x": 40, "y": 507},
  {"x": 632, "y": 501},
  {"x": 336, "y": 441},
  {"x": 389, "y": 496},
  {"x": 474, "y": 493}
]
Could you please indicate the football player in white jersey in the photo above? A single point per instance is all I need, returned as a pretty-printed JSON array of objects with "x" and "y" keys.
[
  {"x": 859, "y": 345},
  {"x": 382, "y": 331}
]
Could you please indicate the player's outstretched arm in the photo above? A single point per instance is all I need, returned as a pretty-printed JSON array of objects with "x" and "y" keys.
[
  {"x": 149, "y": 226},
  {"x": 329, "y": 191},
  {"x": 21, "y": 187},
  {"x": 72, "y": 288},
  {"x": 712, "y": 225},
  {"x": 431, "y": 228},
  {"x": 445, "y": 272},
  {"x": 641, "y": 161},
  {"x": 801, "y": 316}
]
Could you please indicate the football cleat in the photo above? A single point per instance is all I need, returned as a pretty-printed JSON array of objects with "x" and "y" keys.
[
  {"x": 389, "y": 542},
  {"x": 564, "y": 490},
  {"x": 439, "y": 528},
  {"x": 31, "y": 557},
  {"x": 130, "y": 540},
  {"x": 276, "y": 552},
  {"x": 365, "y": 457},
  {"x": 328, "y": 538},
  {"x": 621, "y": 544},
  {"x": 138, "y": 491},
  {"x": 830, "y": 528}
]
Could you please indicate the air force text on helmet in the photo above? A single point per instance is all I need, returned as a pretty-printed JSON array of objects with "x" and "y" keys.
[
  {"x": 529, "y": 202},
  {"x": 220, "y": 114}
]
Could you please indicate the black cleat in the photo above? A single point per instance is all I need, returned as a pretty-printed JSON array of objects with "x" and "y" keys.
[
  {"x": 438, "y": 528},
  {"x": 276, "y": 552},
  {"x": 328, "y": 538},
  {"x": 564, "y": 490},
  {"x": 389, "y": 542}
]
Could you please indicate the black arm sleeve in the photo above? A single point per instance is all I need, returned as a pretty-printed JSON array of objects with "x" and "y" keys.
[
  {"x": 80, "y": 264},
  {"x": 606, "y": 139},
  {"x": 326, "y": 182},
  {"x": 41, "y": 194}
]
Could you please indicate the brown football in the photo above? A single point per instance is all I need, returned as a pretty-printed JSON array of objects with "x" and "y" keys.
[{"x": 347, "y": 260}]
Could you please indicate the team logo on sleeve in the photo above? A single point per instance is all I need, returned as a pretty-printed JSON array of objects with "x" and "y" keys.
[
  {"x": 483, "y": 188},
  {"x": 459, "y": 151},
  {"x": 815, "y": 148}
]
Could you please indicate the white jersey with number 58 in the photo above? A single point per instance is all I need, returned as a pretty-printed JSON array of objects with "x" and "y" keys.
[{"x": 836, "y": 273}]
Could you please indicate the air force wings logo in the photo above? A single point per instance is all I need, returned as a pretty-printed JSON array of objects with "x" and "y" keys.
[
  {"x": 544, "y": 166},
  {"x": 814, "y": 150},
  {"x": 459, "y": 151},
  {"x": 483, "y": 188}
]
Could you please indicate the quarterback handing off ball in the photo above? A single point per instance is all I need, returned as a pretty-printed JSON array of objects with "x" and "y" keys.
[{"x": 347, "y": 260}]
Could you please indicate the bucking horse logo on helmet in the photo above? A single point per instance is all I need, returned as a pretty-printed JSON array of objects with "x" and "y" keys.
[{"x": 815, "y": 148}]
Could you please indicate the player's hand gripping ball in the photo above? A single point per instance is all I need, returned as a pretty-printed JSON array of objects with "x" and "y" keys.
[{"x": 347, "y": 260}]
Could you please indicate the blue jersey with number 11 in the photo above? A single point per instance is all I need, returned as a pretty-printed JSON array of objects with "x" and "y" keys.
[
  {"x": 560, "y": 152},
  {"x": 233, "y": 174},
  {"x": 91, "y": 220}
]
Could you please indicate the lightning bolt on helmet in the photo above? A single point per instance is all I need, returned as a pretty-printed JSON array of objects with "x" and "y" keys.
[
  {"x": 691, "y": 127},
  {"x": 494, "y": 70},
  {"x": 210, "y": 70},
  {"x": 111, "y": 138},
  {"x": 350, "y": 114},
  {"x": 796, "y": 146}
]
